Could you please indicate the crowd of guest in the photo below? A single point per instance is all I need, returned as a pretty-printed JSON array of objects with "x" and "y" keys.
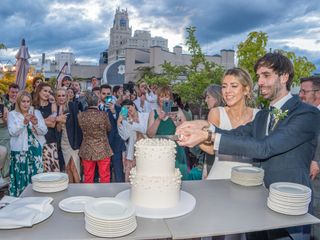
[{"x": 89, "y": 135}]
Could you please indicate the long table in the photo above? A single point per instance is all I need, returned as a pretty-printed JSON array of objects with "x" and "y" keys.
[{"x": 222, "y": 208}]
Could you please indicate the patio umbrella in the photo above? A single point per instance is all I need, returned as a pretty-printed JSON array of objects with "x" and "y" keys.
[{"x": 22, "y": 65}]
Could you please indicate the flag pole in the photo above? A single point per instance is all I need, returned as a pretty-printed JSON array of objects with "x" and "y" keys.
[{"x": 57, "y": 80}]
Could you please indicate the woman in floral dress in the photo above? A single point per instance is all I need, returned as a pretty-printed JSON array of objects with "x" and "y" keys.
[{"x": 27, "y": 129}]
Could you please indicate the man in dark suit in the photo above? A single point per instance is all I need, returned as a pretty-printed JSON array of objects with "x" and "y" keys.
[
  {"x": 116, "y": 142},
  {"x": 310, "y": 93},
  {"x": 281, "y": 141}
]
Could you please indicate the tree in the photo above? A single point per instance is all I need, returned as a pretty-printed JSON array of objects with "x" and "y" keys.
[
  {"x": 199, "y": 75},
  {"x": 254, "y": 47},
  {"x": 10, "y": 77},
  {"x": 301, "y": 65},
  {"x": 2, "y": 46},
  {"x": 6, "y": 79},
  {"x": 251, "y": 50},
  {"x": 168, "y": 77},
  {"x": 144, "y": 72},
  {"x": 189, "y": 81}
]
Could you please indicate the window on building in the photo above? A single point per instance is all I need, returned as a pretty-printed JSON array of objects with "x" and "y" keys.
[{"x": 123, "y": 22}]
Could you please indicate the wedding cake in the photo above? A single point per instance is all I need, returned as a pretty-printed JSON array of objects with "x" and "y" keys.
[{"x": 155, "y": 182}]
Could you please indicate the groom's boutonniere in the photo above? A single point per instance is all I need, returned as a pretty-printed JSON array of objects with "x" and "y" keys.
[{"x": 279, "y": 114}]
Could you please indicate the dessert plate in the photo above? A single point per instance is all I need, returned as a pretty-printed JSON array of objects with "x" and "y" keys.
[
  {"x": 109, "y": 209},
  {"x": 74, "y": 204},
  {"x": 50, "y": 177},
  {"x": 288, "y": 189}
]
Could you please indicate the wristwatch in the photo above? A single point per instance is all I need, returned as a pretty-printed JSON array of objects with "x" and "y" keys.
[{"x": 208, "y": 141}]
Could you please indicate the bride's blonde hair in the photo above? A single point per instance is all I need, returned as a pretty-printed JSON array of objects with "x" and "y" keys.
[{"x": 244, "y": 78}]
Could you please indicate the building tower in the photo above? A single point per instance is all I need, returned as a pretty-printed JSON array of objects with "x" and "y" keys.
[{"x": 119, "y": 35}]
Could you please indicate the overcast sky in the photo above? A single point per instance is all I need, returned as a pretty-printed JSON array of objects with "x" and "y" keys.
[{"x": 82, "y": 26}]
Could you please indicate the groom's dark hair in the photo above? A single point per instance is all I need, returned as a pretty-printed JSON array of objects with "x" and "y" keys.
[{"x": 279, "y": 63}]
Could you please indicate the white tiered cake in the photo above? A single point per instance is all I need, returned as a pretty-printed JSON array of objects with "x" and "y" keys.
[{"x": 155, "y": 182}]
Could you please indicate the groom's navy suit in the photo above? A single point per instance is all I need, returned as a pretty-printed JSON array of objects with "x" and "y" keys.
[{"x": 286, "y": 153}]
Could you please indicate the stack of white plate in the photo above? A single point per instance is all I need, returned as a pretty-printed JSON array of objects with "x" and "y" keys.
[
  {"x": 50, "y": 182},
  {"x": 247, "y": 175},
  {"x": 289, "y": 198},
  {"x": 109, "y": 217}
]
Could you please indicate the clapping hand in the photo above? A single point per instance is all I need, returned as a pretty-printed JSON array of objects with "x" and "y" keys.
[
  {"x": 33, "y": 119},
  {"x": 27, "y": 119},
  {"x": 62, "y": 118}
]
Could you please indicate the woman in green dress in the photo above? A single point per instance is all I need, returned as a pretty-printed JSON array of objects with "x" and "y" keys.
[
  {"x": 164, "y": 120},
  {"x": 27, "y": 129}
]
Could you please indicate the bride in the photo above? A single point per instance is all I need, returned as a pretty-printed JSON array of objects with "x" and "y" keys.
[{"x": 237, "y": 94}]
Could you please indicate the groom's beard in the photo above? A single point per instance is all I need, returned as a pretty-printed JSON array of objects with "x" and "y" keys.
[{"x": 274, "y": 90}]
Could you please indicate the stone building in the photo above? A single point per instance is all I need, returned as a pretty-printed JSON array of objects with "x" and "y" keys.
[
  {"x": 156, "y": 56},
  {"x": 121, "y": 37},
  {"x": 142, "y": 50}
]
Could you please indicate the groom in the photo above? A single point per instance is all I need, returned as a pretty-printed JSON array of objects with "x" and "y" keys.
[{"x": 281, "y": 141}]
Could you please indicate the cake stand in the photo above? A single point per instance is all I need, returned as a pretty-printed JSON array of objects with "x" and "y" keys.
[{"x": 186, "y": 204}]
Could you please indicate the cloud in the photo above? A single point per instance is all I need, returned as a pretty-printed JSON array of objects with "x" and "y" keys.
[
  {"x": 50, "y": 26},
  {"x": 82, "y": 26}
]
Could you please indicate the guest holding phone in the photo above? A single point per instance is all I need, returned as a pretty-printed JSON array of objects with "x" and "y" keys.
[
  {"x": 132, "y": 126},
  {"x": 141, "y": 102},
  {"x": 27, "y": 129},
  {"x": 164, "y": 122},
  {"x": 116, "y": 142}
]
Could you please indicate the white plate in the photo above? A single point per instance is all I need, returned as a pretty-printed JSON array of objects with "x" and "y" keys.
[
  {"x": 110, "y": 228},
  {"x": 248, "y": 170},
  {"x": 290, "y": 189},
  {"x": 286, "y": 206},
  {"x": 74, "y": 204},
  {"x": 49, "y": 185},
  {"x": 114, "y": 234},
  {"x": 246, "y": 183},
  {"x": 288, "y": 200},
  {"x": 186, "y": 204},
  {"x": 49, "y": 177},
  {"x": 109, "y": 208},
  {"x": 242, "y": 176},
  {"x": 116, "y": 231},
  {"x": 286, "y": 211},
  {"x": 106, "y": 222},
  {"x": 50, "y": 190},
  {"x": 38, "y": 218},
  {"x": 247, "y": 179}
]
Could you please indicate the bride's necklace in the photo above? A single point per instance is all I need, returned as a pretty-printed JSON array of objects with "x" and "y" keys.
[{"x": 239, "y": 120}]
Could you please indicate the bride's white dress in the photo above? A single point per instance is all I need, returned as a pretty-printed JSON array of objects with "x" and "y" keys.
[{"x": 222, "y": 169}]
